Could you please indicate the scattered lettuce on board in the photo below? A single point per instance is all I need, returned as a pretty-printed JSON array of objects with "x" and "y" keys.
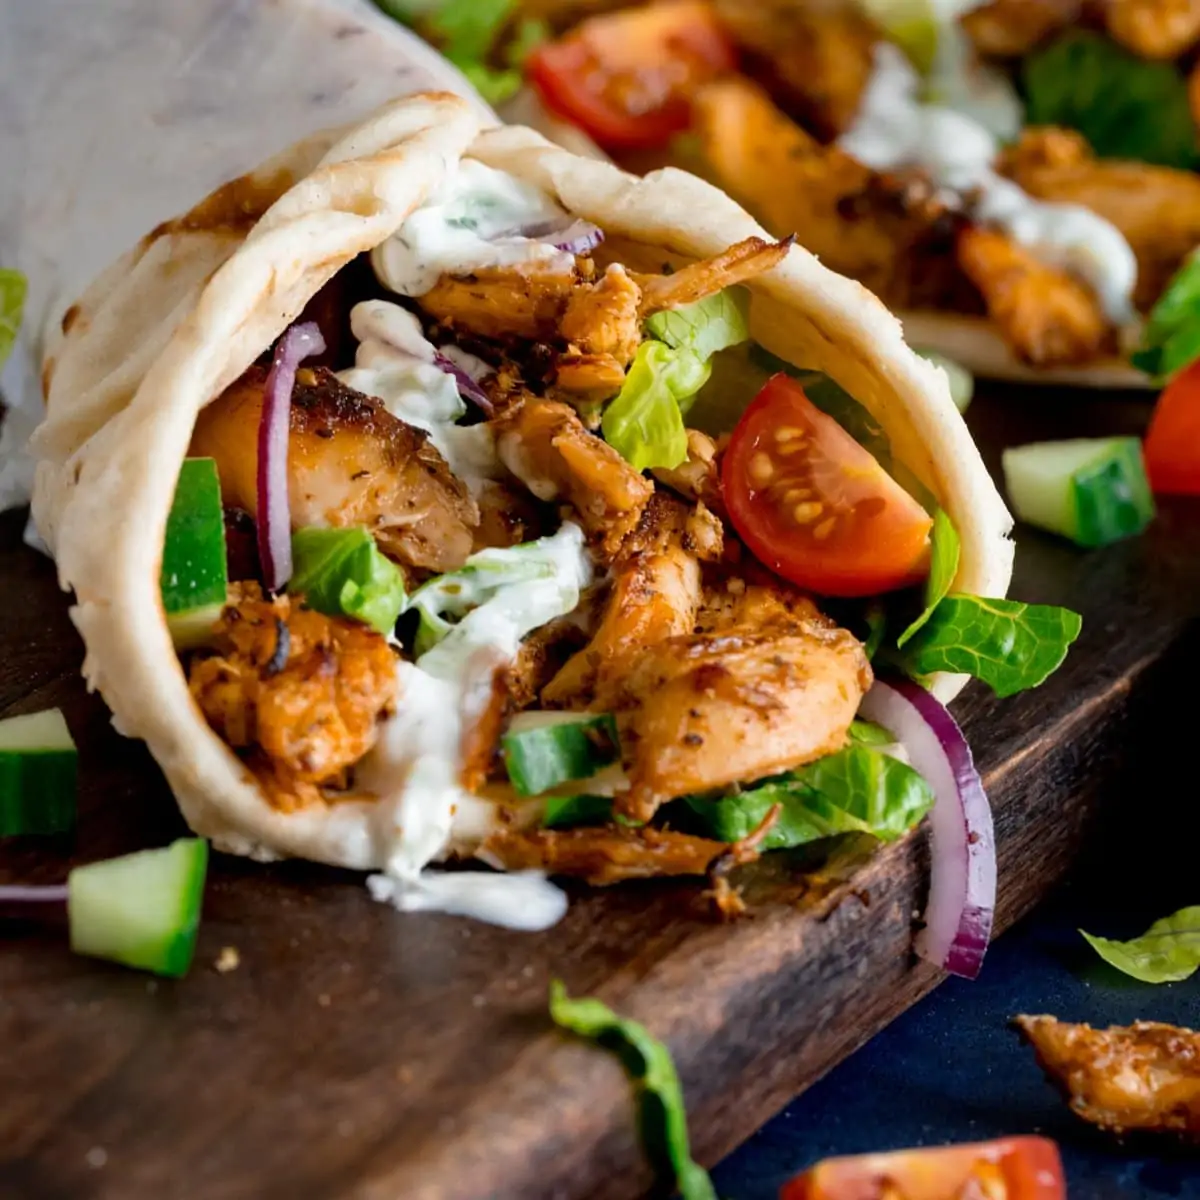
[
  {"x": 1009, "y": 645},
  {"x": 644, "y": 424},
  {"x": 12, "y": 306},
  {"x": 855, "y": 790},
  {"x": 660, "y": 1095},
  {"x": 1126, "y": 107},
  {"x": 1170, "y": 337},
  {"x": 1167, "y": 952},
  {"x": 341, "y": 572},
  {"x": 943, "y": 566}
]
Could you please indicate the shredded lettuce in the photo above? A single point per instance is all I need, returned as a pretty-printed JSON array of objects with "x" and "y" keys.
[
  {"x": 712, "y": 324},
  {"x": 342, "y": 572},
  {"x": 660, "y": 1094},
  {"x": 1124, "y": 106},
  {"x": 1008, "y": 645},
  {"x": 1171, "y": 336},
  {"x": 856, "y": 790},
  {"x": 644, "y": 424},
  {"x": 12, "y": 306},
  {"x": 943, "y": 566},
  {"x": 525, "y": 585},
  {"x": 1167, "y": 952}
]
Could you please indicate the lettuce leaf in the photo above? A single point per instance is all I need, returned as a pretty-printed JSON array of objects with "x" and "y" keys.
[
  {"x": 1124, "y": 106},
  {"x": 12, "y": 306},
  {"x": 712, "y": 324},
  {"x": 342, "y": 573},
  {"x": 1009, "y": 645},
  {"x": 644, "y": 424},
  {"x": 856, "y": 790},
  {"x": 943, "y": 566},
  {"x": 870, "y": 734},
  {"x": 1171, "y": 335},
  {"x": 1167, "y": 952},
  {"x": 660, "y": 1095}
]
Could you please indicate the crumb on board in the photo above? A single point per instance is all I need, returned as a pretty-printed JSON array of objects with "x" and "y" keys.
[{"x": 228, "y": 960}]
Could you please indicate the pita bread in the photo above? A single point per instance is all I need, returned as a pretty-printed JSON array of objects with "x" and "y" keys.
[{"x": 183, "y": 314}]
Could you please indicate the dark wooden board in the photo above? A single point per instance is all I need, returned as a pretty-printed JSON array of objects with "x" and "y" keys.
[{"x": 359, "y": 1053}]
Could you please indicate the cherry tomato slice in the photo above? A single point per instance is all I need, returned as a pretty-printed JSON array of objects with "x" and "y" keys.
[
  {"x": 625, "y": 77},
  {"x": 1172, "y": 444},
  {"x": 814, "y": 506},
  {"x": 1019, "y": 1168}
]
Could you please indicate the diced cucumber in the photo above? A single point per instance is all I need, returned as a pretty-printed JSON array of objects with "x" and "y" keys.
[
  {"x": 143, "y": 909},
  {"x": 563, "y": 812},
  {"x": 962, "y": 382},
  {"x": 195, "y": 578},
  {"x": 341, "y": 572},
  {"x": 544, "y": 749},
  {"x": 1091, "y": 490},
  {"x": 37, "y": 774}
]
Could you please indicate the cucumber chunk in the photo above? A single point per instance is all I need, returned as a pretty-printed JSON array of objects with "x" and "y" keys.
[
  {"x": 543, "y": 749},
  {"x": 1091, "y": 490},
  {"x": 38, "y": 765},
  {"x": 195, "y": 579},
  {"x": 143, "y": 909}
]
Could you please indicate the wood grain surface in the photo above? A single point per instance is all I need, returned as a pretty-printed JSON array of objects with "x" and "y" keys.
[{"x": 355, "y": 1052}]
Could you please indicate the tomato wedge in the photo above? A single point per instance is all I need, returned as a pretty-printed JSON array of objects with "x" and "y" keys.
[
  {"x": 1172, "y": 447},
  {"x": 1018, "y": 1168},
  {"x": 625, "y": 78},
  {"x": 814, "y": 506}
]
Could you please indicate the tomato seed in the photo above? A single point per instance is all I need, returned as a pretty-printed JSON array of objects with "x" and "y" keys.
[
  {"x": 810, "y": 510},
  {"x": 822, "y": 531},
  {"x": 761, "y": 468},
  {"x": 792, "y": 495}
]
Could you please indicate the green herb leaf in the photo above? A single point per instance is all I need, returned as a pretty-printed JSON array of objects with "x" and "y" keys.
[
  {"x": 660, "y": 1095},
  {"x": 562, "y": 812},
  {"x": 1171, "y": 335},
  {"x": 1124, "y": 106},
  {"x": 943, "y": 566},
  {"x": 342, "y": 572},
  {"x": 1167, "y": 952},
  {"x": 856, "y": 790},
  {"x": 12, "y": 305},
  {"x": 712, "y": 324},
  {"x": 644, "y": 424},
  {"x": 1009, "y": 645},
  {"x": 875, "y": 617}
]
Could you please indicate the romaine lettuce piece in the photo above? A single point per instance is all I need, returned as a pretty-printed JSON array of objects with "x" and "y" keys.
[
  {"x": 712, "y": 324},
  {"x": 12, "y": 306},
  {"x": 341, "y": 572},
  {"x": 943, "y": 566},
  {"x": 1170, "y": 337}
]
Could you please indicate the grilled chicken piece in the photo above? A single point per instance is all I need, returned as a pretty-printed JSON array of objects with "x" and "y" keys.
[
  {"x": 544, "y": 444},
  {"x": 1156, "y": 208},
  {"x": 764, "y": 686},
  {"x": 1143, "y": 1077},
  {"x": 301, "y": 692},
  {"x": 1162, "y": 29},
  {"x": 698, "y": 477},
  {"x": 602, "y": 855},
  {"x": 893, "y": 233},
  {"x": 603, "y": 318},
  {"x": 1011, "y": 28},
  {"x": 655, "y": 594},
  {"x": 507, "y": 517},
  {"x": 816, "y": 57},
  {"x": 743, "y": 260},
  {"x": 1046, "y": 317},
  {"x": 524, "y": 301},
  {"x": 350, "y": 462}
]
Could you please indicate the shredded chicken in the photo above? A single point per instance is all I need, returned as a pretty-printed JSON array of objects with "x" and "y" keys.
[
  {"x": 1143, "y": 1077},
  {"x": 1047, "y": 317},
  {"x": 507, "y": 517},
  {"x": 698, "y": 476},
  {"x": 1157, "y": 29},
  {"x": 525, "y": 301},
  {"x": 350, "y": 462},
  {"x": 604, "y": 854},
  {"x": 763, "y": 686},
  {"x": 603, "y": 319},
  {"x": 1157, "y": 209},
  {"x": 301, "y": 692},
  {"x": 544, "y": 444},
  {"x": 743, "y": 260},
  {"x": 1011, "y": 28},
  {"x": 817, "y": 56},
  {"x": 655, "y": 594}
]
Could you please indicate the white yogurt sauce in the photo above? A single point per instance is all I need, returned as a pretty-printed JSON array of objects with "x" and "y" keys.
[
  {"x": 416, "y": 765},
  {"x": 894, "y": 129},
  {"x": 470, "y": 221},
  {"x": 394, "y": 363}
]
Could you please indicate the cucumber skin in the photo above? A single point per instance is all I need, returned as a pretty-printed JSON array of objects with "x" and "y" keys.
[
  {"x": 528, "y": 755},
  {"x": 169, "y": 955},
  {"x": 48, "y": 779},
  {"x": 194, "y": 573},
  {"x": 1113, "y": 498}
]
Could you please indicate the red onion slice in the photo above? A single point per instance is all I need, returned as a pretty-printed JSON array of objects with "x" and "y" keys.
[
  {"x": 962, "y": 884},
  {"x": 468, "y": 388},
  {"x": 52, "y": 893},
  {"x": 575, "y": 237},
  {"x": 274, "y": 516}
]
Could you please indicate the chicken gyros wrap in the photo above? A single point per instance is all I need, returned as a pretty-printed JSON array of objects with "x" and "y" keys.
[{"x": 431, "y": 492}]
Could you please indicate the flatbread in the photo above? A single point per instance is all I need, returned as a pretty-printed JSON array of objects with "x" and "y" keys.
[{"x": 170, "y": 325}]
